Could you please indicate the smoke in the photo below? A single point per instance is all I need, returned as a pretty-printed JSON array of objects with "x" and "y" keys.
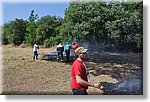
[
  {"x": 92, "y": 44},
  {"x": 131, "y": 85}
]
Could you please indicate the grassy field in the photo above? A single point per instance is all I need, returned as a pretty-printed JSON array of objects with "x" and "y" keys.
[{"x": 23, "y": 75}]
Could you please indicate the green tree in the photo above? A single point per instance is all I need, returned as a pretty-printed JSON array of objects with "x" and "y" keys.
[
  {"x": 31, "y": 28},
  {"x": 116, "y": 23},
  {"x": 48, "y": 29},
  {"x": 14, "y": 32}
]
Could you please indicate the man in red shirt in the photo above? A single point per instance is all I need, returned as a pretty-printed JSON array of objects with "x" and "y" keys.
[
  {"x": 80, "y": 83},
  {"x": 75, "y": 46}
]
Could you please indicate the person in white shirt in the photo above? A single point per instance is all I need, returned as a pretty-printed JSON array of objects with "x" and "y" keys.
[{"x": 35, "y": 54}]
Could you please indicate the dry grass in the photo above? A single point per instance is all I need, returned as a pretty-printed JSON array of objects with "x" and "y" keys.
[{"x": 22, "y": 75}]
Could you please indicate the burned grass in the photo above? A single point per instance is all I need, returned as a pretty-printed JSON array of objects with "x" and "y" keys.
[{"x": 22, "y": 75}]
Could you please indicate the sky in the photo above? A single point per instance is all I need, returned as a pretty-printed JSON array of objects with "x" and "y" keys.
[{"x": 22, "y": 10}]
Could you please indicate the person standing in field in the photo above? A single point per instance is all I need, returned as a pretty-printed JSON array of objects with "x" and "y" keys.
[
  {"x": 67, "y": 50},
  {"x": 75, "y": 46},
  {"x": 60, "y": 50},
  {"x": 79, "y": 83},
  {"x": 35, "y": 53}
]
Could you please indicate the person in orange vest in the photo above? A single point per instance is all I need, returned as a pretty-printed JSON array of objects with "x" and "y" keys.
[{"x": 75, "y": 46}]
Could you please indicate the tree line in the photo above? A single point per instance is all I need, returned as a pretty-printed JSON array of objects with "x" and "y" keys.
[{"x": 117, "y": 25}]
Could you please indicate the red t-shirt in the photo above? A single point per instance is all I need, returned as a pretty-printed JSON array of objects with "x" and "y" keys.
[
  {"x": 78, "y": 68},
  {"x": 75, "y": 47}
]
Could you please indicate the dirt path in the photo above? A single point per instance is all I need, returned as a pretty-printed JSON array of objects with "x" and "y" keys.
[{"x": 22, "y": 75}]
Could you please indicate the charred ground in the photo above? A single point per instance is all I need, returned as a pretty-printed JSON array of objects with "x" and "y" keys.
[{"x": 22, "y": 75}]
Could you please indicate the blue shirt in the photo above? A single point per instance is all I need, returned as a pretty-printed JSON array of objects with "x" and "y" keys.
[{"x": 67, "y": 47}]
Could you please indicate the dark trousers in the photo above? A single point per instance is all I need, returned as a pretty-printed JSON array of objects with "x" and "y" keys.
[
  {"x": 35, "y": 55},
  {"x": 60, "y": 54},
  {"x": 67, "y": 54},
  {"x": 79, "y": 92}
]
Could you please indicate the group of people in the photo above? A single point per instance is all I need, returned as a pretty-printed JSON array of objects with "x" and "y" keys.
[
  {"x": 60, "y": 49},
  {"x": 79, "y": 72},
  {"x": 67, "y": 48}
]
